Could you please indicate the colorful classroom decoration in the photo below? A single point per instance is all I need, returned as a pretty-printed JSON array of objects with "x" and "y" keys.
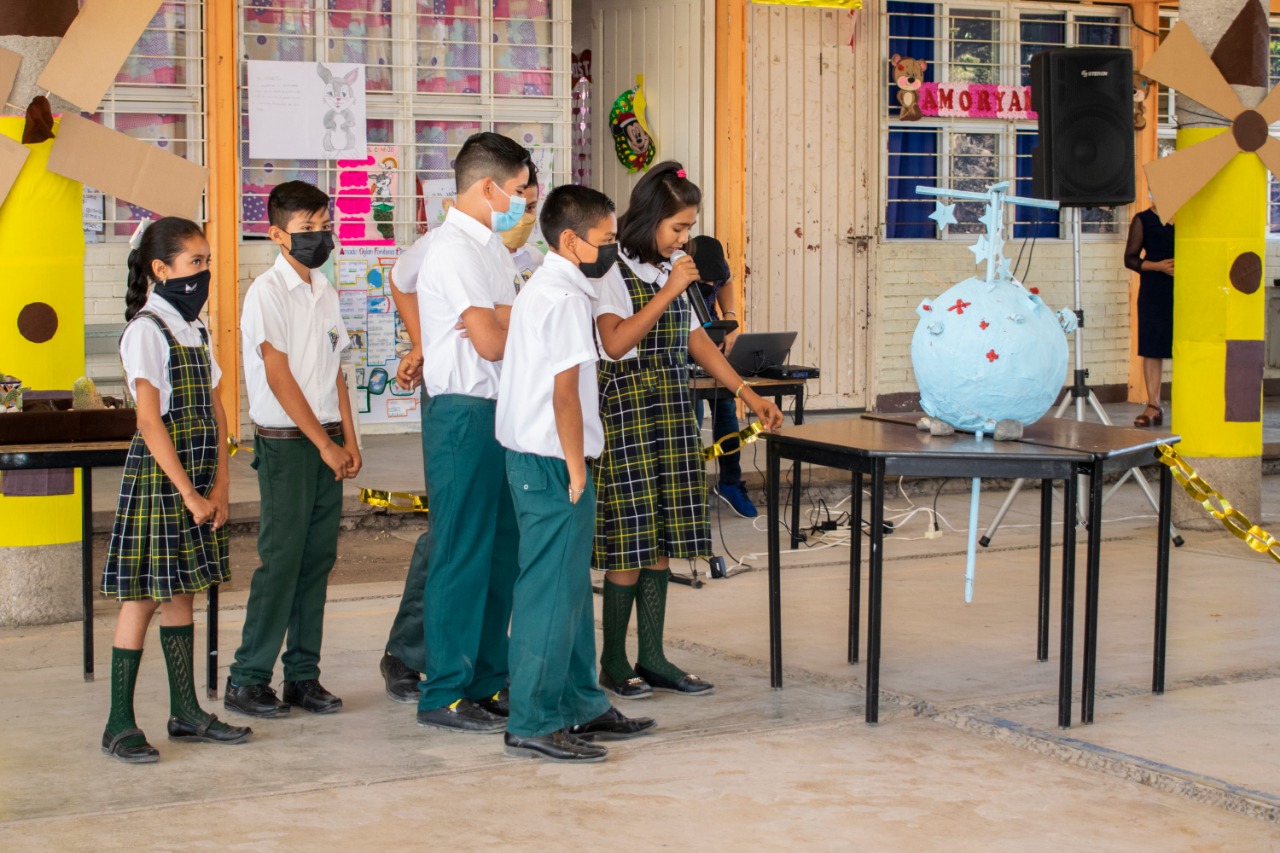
[
  {"x": 632, "y": 141},
  {"x": 306, "y": 110},
  {"x": 989, "y": 356},
  {"x": 378, "y": 335},
  {"x": 1216, "y": 184}
]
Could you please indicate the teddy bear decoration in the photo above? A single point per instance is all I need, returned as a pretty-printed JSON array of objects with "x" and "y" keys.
[
  {"x": 1141, "y": 89},
  {"x": 908, "y": 74}
]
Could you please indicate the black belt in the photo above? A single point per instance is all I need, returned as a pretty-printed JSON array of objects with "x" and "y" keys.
[{"x": 333, "y": 430}]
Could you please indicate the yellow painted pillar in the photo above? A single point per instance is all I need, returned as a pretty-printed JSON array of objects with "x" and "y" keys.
[{"x": 222, "y": 123}]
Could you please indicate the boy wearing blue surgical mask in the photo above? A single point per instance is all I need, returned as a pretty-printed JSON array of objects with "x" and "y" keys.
[
  {"x": 293, "y": 337},
  {"x": 465, "y": 290}
]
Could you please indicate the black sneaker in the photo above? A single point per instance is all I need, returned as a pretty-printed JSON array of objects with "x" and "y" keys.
[
  {"x": 498, "y": 704},
  {"x": 402, "y": 681},
  {"x": 254, "y": 700},
  {"x": 308, "y": 695},
  {"x": 462, "y": 716}
]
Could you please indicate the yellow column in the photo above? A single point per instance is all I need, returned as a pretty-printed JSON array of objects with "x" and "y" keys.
[
  {"x": 222, "y": 124},
  {"x": 1220, "y": 231}
]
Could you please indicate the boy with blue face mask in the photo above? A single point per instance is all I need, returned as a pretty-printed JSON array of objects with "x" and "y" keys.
[{"x": 465, "y": 290}]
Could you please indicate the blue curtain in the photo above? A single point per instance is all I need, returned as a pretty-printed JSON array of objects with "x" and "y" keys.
[
  {"x": 911, "y": 33},
  {"x": 913, "y": 161},
  {"x": 1030, "y": 221}
]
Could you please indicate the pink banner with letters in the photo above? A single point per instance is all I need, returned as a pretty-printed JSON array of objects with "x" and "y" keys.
[{"x": 976, "y": 100}]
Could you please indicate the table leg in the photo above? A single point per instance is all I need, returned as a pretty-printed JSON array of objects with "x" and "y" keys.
[
  {"x": 795, "y": 468},
  {"x": 875, "y": 584},
  {"x": 86, "y": 566},
  {"x": 1092, "y": 578},
  {"x": 1162, "y": 578},
  {"x": 1067, "y": 640},
  {"x": 775, "y": 569},
  {"x": 1046, "y": 546},
  {"x": 211, "y": 624},
  {"x": 855, "y": 567}
]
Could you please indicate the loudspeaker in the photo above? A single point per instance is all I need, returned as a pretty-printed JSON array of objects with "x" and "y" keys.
[{"x": 1084, "y": 99}]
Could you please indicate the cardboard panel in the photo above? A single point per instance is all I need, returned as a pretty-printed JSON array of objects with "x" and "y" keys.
[
  {"x": 46, "y": 18},
  {"x": 9, "y": 62},
  {"x": 135, "y": 171},
  {"x": 12, "y": 155},
  {"x": 93, "y": 49}
]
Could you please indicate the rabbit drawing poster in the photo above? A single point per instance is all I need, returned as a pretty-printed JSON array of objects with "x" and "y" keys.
[{"x": 306, "y": 110}]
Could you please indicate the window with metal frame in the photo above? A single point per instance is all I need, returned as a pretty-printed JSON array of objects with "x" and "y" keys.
[
  {"x": 975, "y": 42},
  {"x": 437, "y": 71}
]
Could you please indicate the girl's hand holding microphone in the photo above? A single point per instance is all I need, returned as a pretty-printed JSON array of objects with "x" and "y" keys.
[{"x": 684, "y": 272}]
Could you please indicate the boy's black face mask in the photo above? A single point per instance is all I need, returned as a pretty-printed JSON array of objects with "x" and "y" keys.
[
  {"x": 605, "y": 259},
  {"x": 188, "y": 294},
  {"x": 311, "y": 248}
]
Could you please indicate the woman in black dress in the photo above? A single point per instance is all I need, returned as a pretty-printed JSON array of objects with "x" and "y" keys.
[{"x": 1149, "y": 253}]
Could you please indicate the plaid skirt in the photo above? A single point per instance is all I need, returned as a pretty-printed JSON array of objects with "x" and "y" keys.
[
  {"x": 157, "y": 550},
  {"x": 650, "y": 480}
]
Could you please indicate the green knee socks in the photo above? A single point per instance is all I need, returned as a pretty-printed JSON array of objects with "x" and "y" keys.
[
  {"x": 124, "y": 675},
  {"x": 651, "y": 611},
  {"x": 177, "y": 642},
  {"x": 617, "y": 613}
]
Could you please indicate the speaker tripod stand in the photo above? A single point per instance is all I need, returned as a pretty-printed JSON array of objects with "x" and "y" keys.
[{"x": 1079, "y": 395}]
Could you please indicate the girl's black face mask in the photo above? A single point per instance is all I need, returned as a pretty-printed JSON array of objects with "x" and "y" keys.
[
  {"x": 311, "y": 248},
  {"x": 188, "y": 294}
]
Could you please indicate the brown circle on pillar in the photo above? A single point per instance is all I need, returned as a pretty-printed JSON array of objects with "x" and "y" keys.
[{"x": 38, "y": 322}]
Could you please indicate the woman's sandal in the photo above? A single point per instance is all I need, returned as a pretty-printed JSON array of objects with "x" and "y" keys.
[
  {"x": 1144, "y": 420},
  {"x": 113, "y": 745}
]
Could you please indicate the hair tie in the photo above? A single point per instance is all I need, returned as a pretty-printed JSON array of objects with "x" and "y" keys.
[
  {"x": 681, "y": 173},
  {"x": 135, "y": 242}
]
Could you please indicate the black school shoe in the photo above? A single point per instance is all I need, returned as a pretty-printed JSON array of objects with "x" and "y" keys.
[
  {"x": 499, "y": 704},
  {"x": 462, "y": 716},
  {"x": 308, "y": 695},
  {"x": 558, "y": 746},
  {"x": 612, "y": 725},
  {"x": 631, "y": 688},
  {"x": 402, "y": 681},
  {"x": 181, "y": 730},
  {"x": 113, "y": 745},
  {"x": 690, "y": 685},
  {"x": 254, "y": 700}
]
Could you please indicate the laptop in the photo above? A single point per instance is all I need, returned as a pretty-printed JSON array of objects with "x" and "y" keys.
[{"x": 754, "y": 353}]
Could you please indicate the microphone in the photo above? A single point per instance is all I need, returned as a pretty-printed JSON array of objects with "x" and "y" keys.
[{"x": 696, "y": 303}]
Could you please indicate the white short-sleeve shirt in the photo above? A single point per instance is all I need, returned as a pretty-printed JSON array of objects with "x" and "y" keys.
[
  {"x": 551, "y": 331},
  {"x": 404, "y": 275},
  {"x": 614, "y": 298},
  {"x": 303, "y": 321},
  {"x": 144, "y": 352},
  {"x": 527, "y": 259},
  {"x": 465, "y": 266}
]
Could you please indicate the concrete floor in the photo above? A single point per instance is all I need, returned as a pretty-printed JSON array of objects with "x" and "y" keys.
[{"x": 967, "y": 755}]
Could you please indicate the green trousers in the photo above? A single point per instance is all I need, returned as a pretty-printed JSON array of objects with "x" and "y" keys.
[
  {"x": 298, "y": 544},
  {"x": 406, "y": 638},
  {"x": 553, "y": 640},
  {"x": 472, "y": 553}
]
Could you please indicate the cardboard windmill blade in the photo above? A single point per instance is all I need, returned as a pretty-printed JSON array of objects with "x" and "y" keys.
[{"x": 1184, "y": 65}]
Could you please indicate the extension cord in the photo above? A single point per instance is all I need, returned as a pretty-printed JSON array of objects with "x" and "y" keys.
[{"x": 932, "y": 534}]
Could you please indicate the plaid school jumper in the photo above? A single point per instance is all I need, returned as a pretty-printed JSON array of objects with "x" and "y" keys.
[
  {"x": 157, "y": 551},
  {"x": 650, "y": 481}
]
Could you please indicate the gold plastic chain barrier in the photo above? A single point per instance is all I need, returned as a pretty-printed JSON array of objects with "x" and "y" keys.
[
  {"x": 399, "y": 501},
  {"x": 745, "y": 437},
  {"x": 1205, "y": 495},
  {"x": 394, "y": 500}
]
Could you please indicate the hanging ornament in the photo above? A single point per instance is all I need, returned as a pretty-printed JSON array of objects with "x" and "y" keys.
[
  {"x": 580, "y": 163},
  {"x": 632, "y": 140}
]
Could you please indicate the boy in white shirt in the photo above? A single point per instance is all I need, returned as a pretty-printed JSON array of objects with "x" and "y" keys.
[
  {"x": 548, "y": 419},
  {"x": 465, "y": 290},
  {"x": 293, "y": 337}
]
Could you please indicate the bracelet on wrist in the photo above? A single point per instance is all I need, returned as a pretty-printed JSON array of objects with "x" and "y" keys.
[{"x": 737, "y": 392}]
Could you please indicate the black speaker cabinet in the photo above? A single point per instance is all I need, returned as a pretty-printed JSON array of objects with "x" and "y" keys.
[{"x": 1084, "y": 99}]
